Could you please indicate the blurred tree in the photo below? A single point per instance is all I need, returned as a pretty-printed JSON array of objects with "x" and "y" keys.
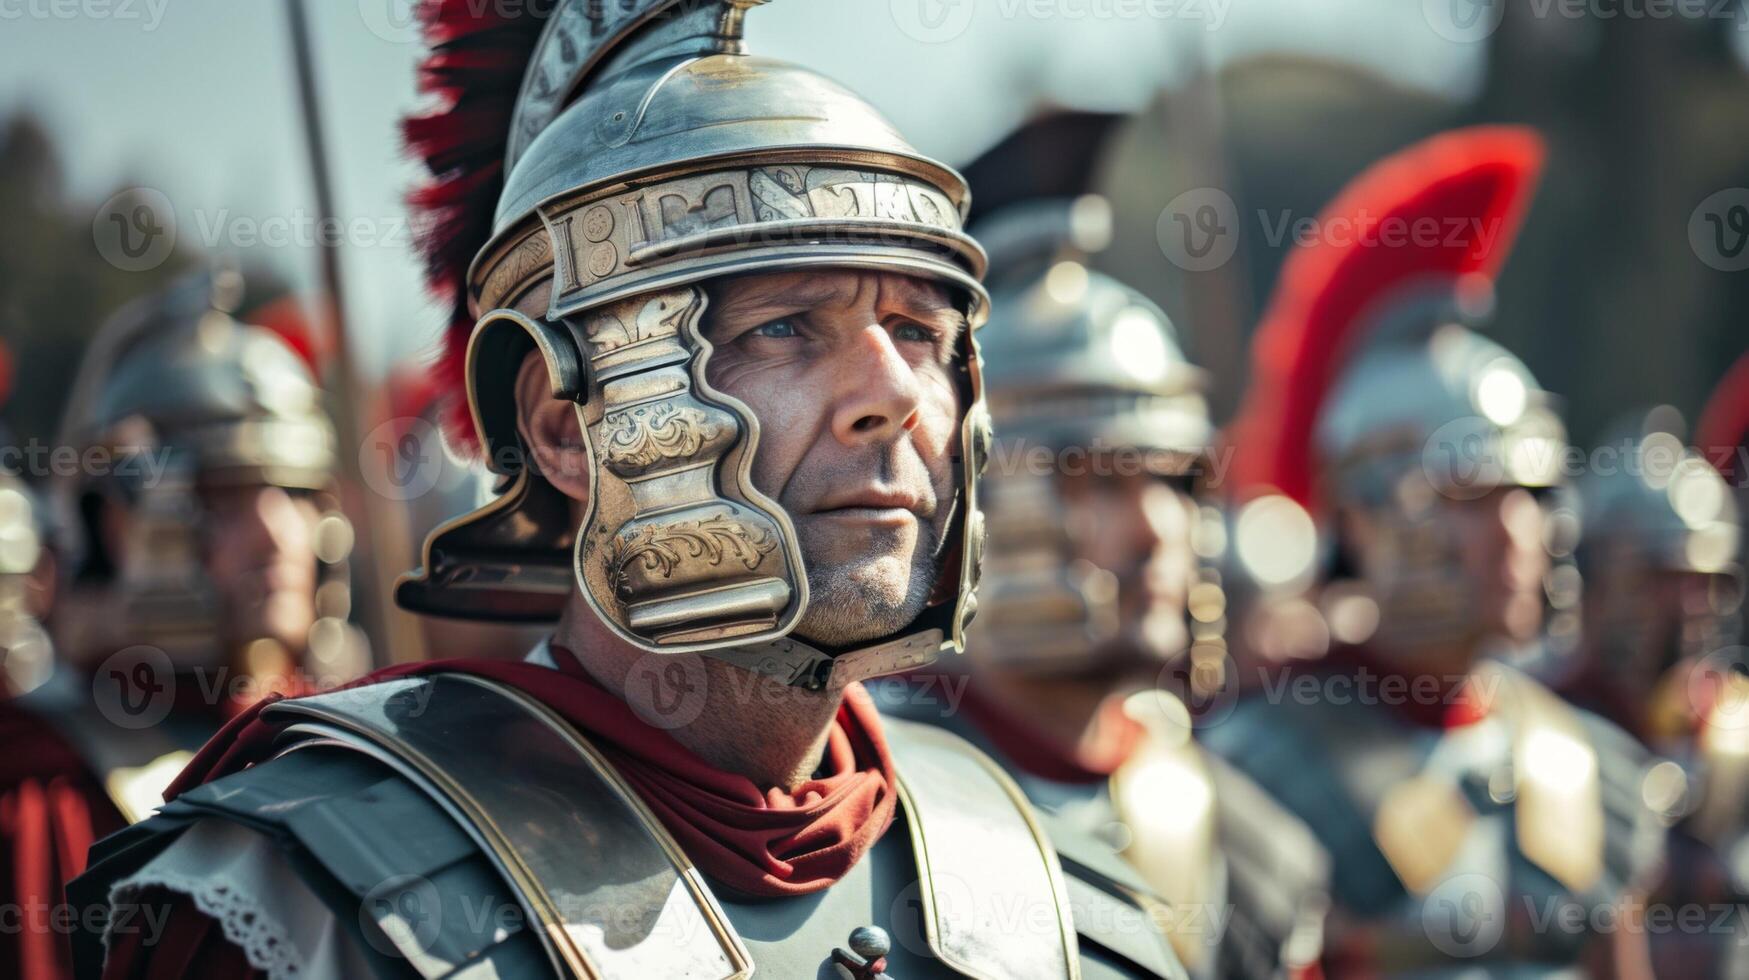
[{"x": 55, "y": 289}]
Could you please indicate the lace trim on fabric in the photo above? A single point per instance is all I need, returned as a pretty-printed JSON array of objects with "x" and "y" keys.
[{"x": 262, "y": 939}]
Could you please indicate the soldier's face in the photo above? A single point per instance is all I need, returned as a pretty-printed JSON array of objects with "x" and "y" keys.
[
  {"x": 1500, "y": 545},
  {"x": 1137, "y": 527},
  {"x": 851, "y": 377},
  {"x": 260, "y": 555},
  {"x": 1641, "y": 619}
]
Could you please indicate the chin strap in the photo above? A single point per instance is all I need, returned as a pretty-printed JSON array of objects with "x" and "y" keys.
[{"x": 800, "y": 664}]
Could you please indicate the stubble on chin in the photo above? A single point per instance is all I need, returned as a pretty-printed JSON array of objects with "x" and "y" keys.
[{"x": 856, "y": 598}]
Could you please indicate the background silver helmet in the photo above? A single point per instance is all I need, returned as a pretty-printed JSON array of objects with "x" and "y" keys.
[
  {"x": 221, "y": 401},
  {"x": 1451, "y": 408},
  {"x": 647, "y": 154},
  {"x": 1658, "y": 504}
]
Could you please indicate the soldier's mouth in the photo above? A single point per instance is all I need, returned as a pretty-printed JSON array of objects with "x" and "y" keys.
[
  {"x": 890, "y": 516},
  {"x": 875, "y": 504}
]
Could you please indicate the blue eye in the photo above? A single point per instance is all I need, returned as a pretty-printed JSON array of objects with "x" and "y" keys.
[
  {"x": 914, "y": 332},
  {"x": 776, "y": 328}
]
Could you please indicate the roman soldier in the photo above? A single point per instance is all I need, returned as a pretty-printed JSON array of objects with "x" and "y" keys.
[
  {"x": 51, "y": 805},
  {"x": 1475, "y": 822},
  {"x": 714, "y": 339},
  {"x": 1686, "y": 547},
  {"x": 1659, "y": 558},
  {"x": 1087, "y": 627},
  {"x": 204, "y": 551}
]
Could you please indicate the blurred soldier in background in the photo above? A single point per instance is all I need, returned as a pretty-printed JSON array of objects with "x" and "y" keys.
[
  {"x": 1462, "y": 803},
  {"x": 736, "y": 416},
  {"x": 1091, "y": 507},
  {"x": 51, "y": 805},
  {"x": 1659, "y": 656},
  {"x": 1702, "y": 702},
  {"x": 1662, "y": 585},
  {"x": 205, "y": 555}
]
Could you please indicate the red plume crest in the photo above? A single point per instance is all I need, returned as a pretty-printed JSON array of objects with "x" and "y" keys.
[
  {"x": 1723, "y": 430},
  {"x": 1444, "y": 210},
  {"x": 479, "y": 52}
]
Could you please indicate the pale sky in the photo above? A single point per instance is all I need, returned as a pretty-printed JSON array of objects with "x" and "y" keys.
[{"x": 194, "y": 97}]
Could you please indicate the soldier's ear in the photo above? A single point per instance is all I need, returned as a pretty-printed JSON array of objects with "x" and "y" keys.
[{"x": 551, "y": 431}]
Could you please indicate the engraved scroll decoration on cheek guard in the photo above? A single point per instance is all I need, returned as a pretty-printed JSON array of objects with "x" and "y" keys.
[{"x": 678, "y": 546}]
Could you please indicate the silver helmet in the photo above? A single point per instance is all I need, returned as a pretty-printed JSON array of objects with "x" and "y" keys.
[{"x": 647, "y": 154}]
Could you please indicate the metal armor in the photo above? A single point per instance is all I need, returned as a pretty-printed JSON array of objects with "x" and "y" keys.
[
  {"x": 649, "y": 153},
  {"x": 1453, "y": 848},
  {"x": 1243, "y": 881},
  {"x": 969, "y": 886}
]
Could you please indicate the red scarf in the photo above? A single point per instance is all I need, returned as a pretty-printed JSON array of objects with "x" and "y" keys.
[{"x": 766, "y": 842}]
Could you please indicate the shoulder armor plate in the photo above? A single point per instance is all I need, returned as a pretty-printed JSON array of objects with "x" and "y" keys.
[
  {"x": 573, "y": 840},
  {"x": 969, "y": 823}
]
